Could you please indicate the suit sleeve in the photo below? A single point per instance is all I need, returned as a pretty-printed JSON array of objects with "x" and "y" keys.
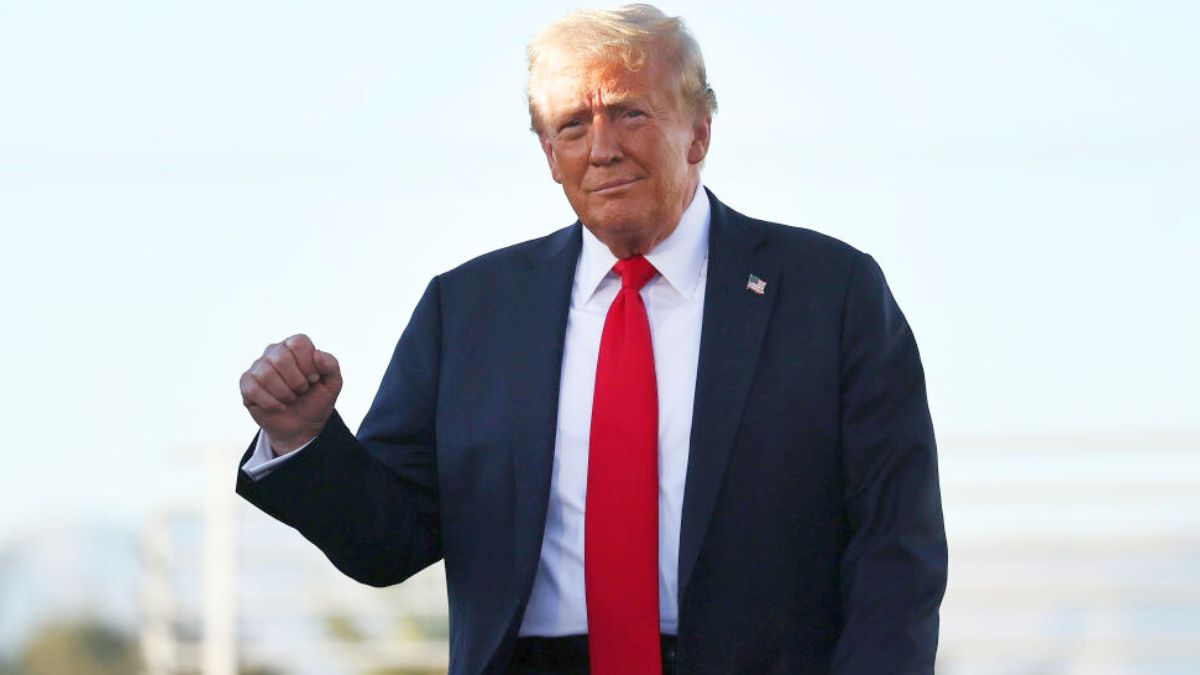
[
  {"x": 893, "y": 569},
  {"x": 370, "y": 502}
]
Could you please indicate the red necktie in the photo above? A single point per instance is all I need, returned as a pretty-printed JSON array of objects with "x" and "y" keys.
[{"x": 621, "y": 511}]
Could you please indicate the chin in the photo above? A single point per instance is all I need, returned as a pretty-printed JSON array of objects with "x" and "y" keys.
[
  {"x": 617, "y": 215},
  {"x": 623, "y": 226}
]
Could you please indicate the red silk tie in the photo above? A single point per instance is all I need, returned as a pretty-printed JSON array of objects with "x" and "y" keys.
[{"x": 621, "y": 510}]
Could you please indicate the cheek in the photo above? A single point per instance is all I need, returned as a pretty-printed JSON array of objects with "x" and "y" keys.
[
  {"x": 670, "y": 153},
  {"x": 681, "y": 146},
  {"x": 571, "y": 163}
]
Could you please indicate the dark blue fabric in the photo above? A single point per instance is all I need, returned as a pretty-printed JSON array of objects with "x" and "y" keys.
[{"x": 812, "y": 537}]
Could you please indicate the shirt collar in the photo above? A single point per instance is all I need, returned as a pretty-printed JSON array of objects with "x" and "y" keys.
[{"x": 679, "y": 258}]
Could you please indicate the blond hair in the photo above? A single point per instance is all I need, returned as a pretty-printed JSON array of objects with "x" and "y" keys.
[{"x": 624, "y": 35}]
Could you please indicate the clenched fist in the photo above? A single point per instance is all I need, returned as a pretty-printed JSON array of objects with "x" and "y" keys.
[{"x": 290, "y": 391}]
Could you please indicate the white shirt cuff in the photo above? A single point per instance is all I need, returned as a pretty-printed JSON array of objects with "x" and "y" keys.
[{"x": 263, "y": 461}]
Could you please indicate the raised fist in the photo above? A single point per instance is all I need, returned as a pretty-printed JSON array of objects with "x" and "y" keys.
[{"x": 290, "y": 391}]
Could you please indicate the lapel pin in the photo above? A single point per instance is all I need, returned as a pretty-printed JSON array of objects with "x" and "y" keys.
[{"x": 757, "y": 285}]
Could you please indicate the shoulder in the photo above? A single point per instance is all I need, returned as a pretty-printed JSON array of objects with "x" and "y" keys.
[
  {"x": 819, "y": 270},
  {"x": 501, "y": 263},
  {"x": 795, "y": 249},
  {"x": 804, "y": 242}
]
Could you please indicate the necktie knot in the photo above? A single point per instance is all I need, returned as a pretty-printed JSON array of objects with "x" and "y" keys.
[{"x": 634, "y": 272}]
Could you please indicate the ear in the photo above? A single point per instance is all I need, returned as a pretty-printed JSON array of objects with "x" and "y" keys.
[
  {"x": 701, "y": 134},
  {"x": 551, "y": 159}
]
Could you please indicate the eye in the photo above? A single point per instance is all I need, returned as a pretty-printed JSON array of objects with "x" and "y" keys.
[{"x": 632, "y": 112}]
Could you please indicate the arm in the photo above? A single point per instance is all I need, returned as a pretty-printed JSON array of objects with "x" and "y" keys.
[
  {"x": 893, "y": 569},
  {"x": 370, "y": 503}
]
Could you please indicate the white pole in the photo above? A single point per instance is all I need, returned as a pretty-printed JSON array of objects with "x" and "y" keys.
[
  {"x": 219, "y": 655},
  {"x": 158, "y": 640}
]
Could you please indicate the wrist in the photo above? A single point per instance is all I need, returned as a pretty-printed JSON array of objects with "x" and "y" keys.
[{"x": 283, "y": 446}]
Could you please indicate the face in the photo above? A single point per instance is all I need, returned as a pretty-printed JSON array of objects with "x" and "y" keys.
[{"x": 623, "y": 146}]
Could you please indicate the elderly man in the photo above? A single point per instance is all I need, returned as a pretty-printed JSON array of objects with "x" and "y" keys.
[{"x": 666, "y": 438}]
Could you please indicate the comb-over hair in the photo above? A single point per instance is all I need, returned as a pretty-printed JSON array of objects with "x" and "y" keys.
[{"x": 623, "y": 35}]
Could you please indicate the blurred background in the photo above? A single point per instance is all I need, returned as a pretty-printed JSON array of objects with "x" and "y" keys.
[{"x": 183, "y": 183}]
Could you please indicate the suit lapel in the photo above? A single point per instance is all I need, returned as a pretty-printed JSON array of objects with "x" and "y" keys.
[
  {"x": 539, "y": 314},
  {"x": 734, "y": 323}
]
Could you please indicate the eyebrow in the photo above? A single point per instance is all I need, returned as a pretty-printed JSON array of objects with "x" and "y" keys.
[
  {"x": 621, "y": 99},
  {"x": 613, "y": 100}
]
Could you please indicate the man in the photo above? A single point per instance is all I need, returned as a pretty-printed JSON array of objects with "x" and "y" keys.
[{"x": 667, "y": 438}]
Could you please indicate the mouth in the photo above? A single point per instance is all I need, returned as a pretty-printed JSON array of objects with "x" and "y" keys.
[{"x": 614, "y": 185}]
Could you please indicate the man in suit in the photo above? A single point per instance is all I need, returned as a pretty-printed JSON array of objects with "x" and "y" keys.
[{"x": 666, "y": 438}]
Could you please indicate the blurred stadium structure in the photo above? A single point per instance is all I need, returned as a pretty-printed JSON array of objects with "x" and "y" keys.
[
  {"x": 1074, "y": 554},
  {"x": 1069, "y": 554},
  {"x": 228, "y": 588}
]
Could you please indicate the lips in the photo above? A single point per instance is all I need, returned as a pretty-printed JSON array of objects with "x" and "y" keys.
[{"x": 612, "y": 185}]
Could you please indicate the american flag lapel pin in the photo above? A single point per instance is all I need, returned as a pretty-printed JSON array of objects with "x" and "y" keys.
[{"x": 757, "y": 285}]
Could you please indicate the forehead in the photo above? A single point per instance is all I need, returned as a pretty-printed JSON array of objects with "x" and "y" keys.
[{"x": 567, "y": 84}]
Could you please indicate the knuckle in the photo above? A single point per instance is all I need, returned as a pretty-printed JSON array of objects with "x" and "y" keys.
[
  {"x": 252, "y": 390},
  {"x": 267, "y": 379},
  {"x": 251, "y": 380},
  {"x": 302, "y": 354}
]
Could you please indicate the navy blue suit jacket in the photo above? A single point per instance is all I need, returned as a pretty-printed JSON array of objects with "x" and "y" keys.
[{"x": 812, "y": 537}]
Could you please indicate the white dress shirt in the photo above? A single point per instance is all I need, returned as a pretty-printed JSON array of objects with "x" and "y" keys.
[{"x": 675, "y": 307}]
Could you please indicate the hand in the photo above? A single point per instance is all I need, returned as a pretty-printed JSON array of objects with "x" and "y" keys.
[{"x": 290, "y": 391}]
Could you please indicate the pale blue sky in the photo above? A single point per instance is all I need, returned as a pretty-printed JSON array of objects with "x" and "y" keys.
[{"x": 182, "y": 184}]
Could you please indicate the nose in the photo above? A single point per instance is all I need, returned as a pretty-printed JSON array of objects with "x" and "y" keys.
[{"x": 606, "y": 146}]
